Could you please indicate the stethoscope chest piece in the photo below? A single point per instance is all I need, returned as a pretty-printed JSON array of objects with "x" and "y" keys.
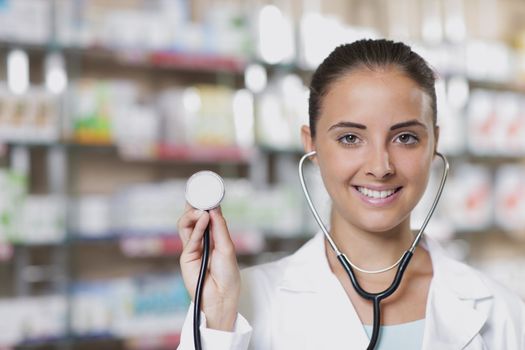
[{"x": 204, "y": 190}]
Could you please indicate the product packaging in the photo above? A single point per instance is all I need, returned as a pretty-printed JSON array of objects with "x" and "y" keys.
[
  {"x": 91, "y": 216},
  {"x": 482, "y": 123},
  {"x": 282, "y": 110},
  {"x": 148, "y": 209},
  {"x": 32, "y": 319},
  {"x": 15, "y": 15},
  {"x": 176, "y": 113},
  {"x": 13, "y": 192},
  {"x": 98, "y": 104},
  {"x": 30, "y": 118},
  {"x": 142, "y": 306},
  {"x": 42, "y": 220},
  {"x": 468, "y": 198},
  {"x": 214, "y": 122},
  {"x": 489, "y": 61},
  {"x": 510, "y": 199}
]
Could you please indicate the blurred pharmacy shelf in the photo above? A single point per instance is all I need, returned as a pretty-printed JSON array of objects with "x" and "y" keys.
[
  {"x": 156, "y": 152},
  {"x": 114, "y": 106},
  {"x": 141, "y": 58}
]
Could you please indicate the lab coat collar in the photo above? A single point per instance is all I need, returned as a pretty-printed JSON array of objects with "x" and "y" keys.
[
  {"x": 306, "y": 266},
  {"x": 308, "y": 280},
  {"x": 452, "y": 320},
  {"x": 461, "y": 279}
]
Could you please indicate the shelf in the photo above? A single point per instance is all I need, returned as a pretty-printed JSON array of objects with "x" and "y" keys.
[
  {"x": 516, "y": 86},
  {"x": 486, "y": 159},
  {"x": 157, "y": 153},
  {"x": 6, "y": 251},
  {"x": 200, "y": 62},
  {"x": 167, "y": 341},
  {"x": 164, "y": 59},
  {"x": 161, "y": 245},
  {"x": 168, "y": 245},
  {"x": 204, "y": 153}
]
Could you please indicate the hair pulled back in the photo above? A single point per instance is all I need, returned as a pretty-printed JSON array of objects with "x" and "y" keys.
[{"x": 370, "y": 54}]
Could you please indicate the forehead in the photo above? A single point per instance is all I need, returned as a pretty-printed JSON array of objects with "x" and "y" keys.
[{"x": 384, "y": 95}]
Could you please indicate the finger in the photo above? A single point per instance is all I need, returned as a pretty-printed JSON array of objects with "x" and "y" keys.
[
  {"x": 195, "y": 239},
  {"x": 189, "y": 218},
  {"x": 220, "y": 233},
  {"x": 187, "y": 223},
  {"x": 187, "y": 207}
]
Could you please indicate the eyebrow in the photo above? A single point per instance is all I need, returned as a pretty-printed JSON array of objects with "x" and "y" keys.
[
  {"x": 347, "y": 125},
  {"x": 413, "y": 122},
  {"x": 408, "y": 123}
]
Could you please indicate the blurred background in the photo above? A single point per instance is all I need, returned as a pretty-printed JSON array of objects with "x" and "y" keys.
[{"x": 106, "y": 107}]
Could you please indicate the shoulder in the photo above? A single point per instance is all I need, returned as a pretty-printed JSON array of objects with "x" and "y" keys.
[
  {"x": 507, "y": 306},
  {"x": 262, "y": 280},
  {"x": 505, "y": 310},
  {"x": 267, "y": 277}
]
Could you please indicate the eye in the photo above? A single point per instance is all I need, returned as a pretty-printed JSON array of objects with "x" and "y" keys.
[
  {"x": 407, "y": 139},
  {"x": 349, "y": 139}
]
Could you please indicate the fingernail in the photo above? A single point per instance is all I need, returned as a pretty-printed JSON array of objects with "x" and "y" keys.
[{"x": 199, "y": 212}]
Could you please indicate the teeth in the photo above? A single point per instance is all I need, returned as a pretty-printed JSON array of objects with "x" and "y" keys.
[{"x": 375, "y": 194}]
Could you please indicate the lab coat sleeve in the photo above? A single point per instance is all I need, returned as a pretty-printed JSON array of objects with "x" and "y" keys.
[
  {"x": 522, "y": 335},
  {"x": 213, "y": 339}
]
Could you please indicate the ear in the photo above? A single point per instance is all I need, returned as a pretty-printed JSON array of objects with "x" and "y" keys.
[
  {"x": 436, "y": 135},
  {"x": 306, "y": 137},
  {"x": 308, "y": 142}
]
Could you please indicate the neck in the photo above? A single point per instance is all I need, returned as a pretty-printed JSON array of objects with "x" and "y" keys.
[{"x": 370, "y": 250}]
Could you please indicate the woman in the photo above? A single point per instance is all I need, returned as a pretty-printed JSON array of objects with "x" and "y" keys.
[{"x": 373, "y": 125}]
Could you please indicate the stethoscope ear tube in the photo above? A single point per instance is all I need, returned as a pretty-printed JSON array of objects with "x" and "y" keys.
[
  {"x": 446, "y": 168},
  {"x": 402, "y": 263}
]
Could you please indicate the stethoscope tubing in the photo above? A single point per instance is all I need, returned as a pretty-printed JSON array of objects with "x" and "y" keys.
[
  {"x": 349, "y": 267},
  {"x": 199, "y": 289}
]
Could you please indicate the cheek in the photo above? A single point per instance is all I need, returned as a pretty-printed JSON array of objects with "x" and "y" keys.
[
  {"x": 337, "y": 167},
  {"x": 417, "y": 171},
  {"x": 336, "y": 170}
]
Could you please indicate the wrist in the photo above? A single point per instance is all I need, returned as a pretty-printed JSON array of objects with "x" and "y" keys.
[{"x": 221, "y": 318}]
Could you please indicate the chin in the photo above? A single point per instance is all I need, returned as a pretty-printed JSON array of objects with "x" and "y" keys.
[
  {"x": 378, "y": 228},
  {"x": 379, "y": 223}
]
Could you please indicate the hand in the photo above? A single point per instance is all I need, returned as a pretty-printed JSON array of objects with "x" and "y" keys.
[{"x": 221, "y": 290}]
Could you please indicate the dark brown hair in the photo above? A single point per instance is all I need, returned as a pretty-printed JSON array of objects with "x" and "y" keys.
[{"x": 371, "y": 54}]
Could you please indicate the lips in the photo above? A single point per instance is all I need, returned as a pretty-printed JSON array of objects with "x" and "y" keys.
[{"x": 376, "y": 194}]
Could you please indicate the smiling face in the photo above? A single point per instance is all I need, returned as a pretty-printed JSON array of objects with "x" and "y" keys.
[{"x": 375, "y": 141}]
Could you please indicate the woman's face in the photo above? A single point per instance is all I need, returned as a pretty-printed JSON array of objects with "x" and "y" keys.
[{"x": 375, "y": 140}]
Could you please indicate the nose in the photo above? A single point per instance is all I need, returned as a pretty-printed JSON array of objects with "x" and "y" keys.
[{"x": 379, "y": 164}]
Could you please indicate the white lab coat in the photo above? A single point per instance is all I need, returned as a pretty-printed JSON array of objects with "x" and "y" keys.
[{"x": 298, "y": 303}]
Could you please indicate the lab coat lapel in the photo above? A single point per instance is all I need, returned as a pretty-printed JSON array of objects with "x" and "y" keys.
[
  {"x": 329, "y": 321},
  {"x": 452, "y": 321}
]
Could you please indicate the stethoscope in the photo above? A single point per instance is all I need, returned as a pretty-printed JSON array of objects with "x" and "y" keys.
[
  {"x": 349, "y": 267},
  {"x": 205, "y": 191}
]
